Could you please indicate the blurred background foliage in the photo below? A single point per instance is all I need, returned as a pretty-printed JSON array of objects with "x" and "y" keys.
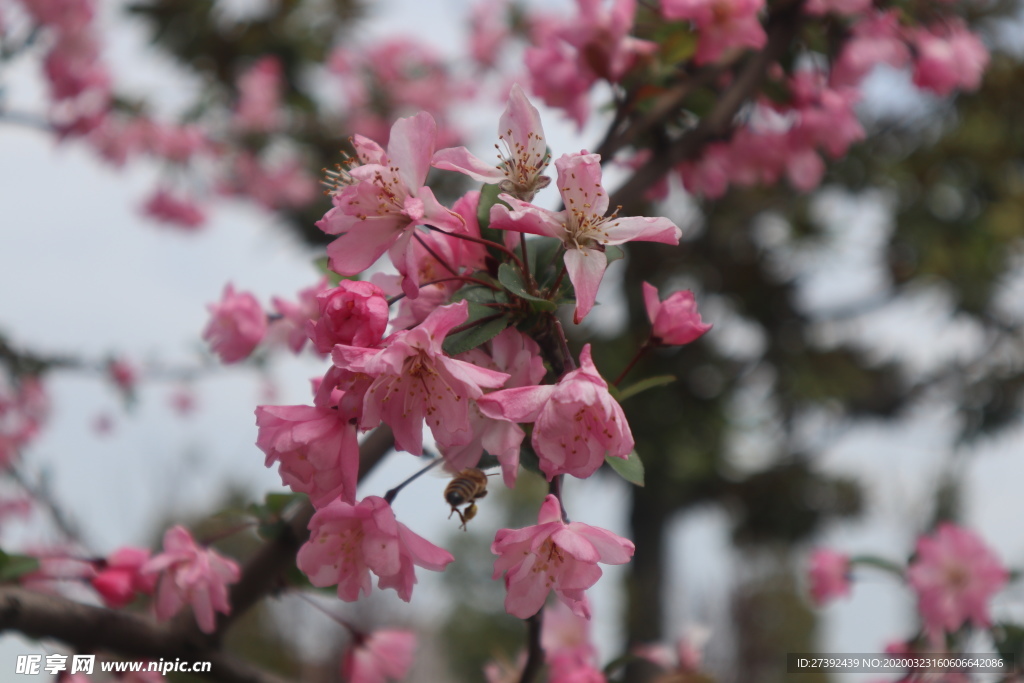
[{"x": 952, "y": 175}]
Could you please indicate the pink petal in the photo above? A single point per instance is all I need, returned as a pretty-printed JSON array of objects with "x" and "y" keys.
[
  {"x": 411, "y": 147},
  {"x": 651, "y": 301},
  {"x": 525, "y": 217},
  {"x": 550, "y": 511},
  {"x": 579, "y": 181},
  {"x": 642, "y": 229},
  {"x": 522, "y": 404},
  {"x": 585, "y": 268},
  {"x": 424, "y": 553},
  {"x": 460, "y": 160}
]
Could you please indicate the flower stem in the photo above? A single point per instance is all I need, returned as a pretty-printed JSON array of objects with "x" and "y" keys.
[
  {"x": 393, "y": 493},
  {"x": 639, "y": 354},
  {"x": 570, "y": 362},
  {"x": 480, "y": 321},
  {"x": 486, "y": 243},
  {"x": 535, "y": 652},
  {"x": 436, "y": 256},
  {"x": 531, "y": 287}
]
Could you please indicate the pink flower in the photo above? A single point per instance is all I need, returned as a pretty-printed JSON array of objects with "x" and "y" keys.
[
  {"x": 519, "y": 356},
  {"x": 556, "y": 75},
  {"x": 381, "y": 656},
  {"x": 191, "y": 574},
  {"x": 378, "y": 205},
  {"x": 123, "y": 374},
  {"x": 948, "y": 58},
  {"x": 553, "y": 555},
  {"x": 350, "y": 541},
  {"x": 878, "y": 39},
  {"x": 354, "y": 313},
  {"x": 577, "y": 421},
  {"x": 601, "y": 35},
  {"x": 829, "y": 575},
  {"x": 317, "y": 447},
  {"x": 570, "y": 656},
  {"x": 120, "y": 579},
  {"x": 844, "y": 7},
  {"x": 259, "y": 97},
  {"x": 295, "y": 316},
  {"x": 954, "y": 574},
  {"x": 237, "y": 325},
  {"x": 582, "y": 226},
  {"x": 488, "y": 32},
  {"x": 413, "y": 381},
  {"x": 174, "y": 210},
  {"x": 674, "y": 321},
  {"x": 722, "y": 25},
  {"x": 522, "y": 152}
]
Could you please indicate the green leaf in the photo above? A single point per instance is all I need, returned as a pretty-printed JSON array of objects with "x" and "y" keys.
[
  {"x": 613, "y": 253},
  {"x": 630, "y": 469},
  {"x": 878, "y": 563},
  {"x": 474, "y": 294},
  {"x": 488, "y": 198},
  {"x": 14, "y": 566},
  {"x": 474, "y": 336},
  {"x": 512, "y": 280},
  {"x": 643, "y": 385}
]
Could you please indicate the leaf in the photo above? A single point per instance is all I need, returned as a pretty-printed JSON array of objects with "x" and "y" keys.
[
  {"x": 488, "y": 198},
  {"x": 512, "y": 280},
  {"x": 643, "y": 385},
  {"x": 14, "y": 566},
  {"x": 474, "y": 336},
  {"x": 613, "y": 253},
  {"x": 322, "y": 265},
  {"x": 631, "y": 469}
]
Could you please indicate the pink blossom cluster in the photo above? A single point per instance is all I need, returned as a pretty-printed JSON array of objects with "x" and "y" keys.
[
  {"x": 23, "y": 411},
  {"x": 396, "y": 77},
  {"x": 787, "y": 139},
  {"x": 391, "y": 367},
  {"x": 953, "y": 573},
  {"x": 569, "y": 55}
]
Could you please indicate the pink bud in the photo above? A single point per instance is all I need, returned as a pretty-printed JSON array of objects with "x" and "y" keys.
[
  {"x": 237, "y": 325},
  {"x": 675, "y": 321},
  {"x": 354, "y": 313}
]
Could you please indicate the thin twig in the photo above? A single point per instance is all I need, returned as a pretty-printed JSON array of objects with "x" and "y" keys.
[{"x": 535, "y": 651}]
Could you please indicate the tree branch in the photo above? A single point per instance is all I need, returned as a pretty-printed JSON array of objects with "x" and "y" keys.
[
  {"x": 782, "y": 28},
  {"x": 88, "y": 628}
]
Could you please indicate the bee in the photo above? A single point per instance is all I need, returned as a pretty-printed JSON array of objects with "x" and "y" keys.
[{"x": 466, "y": 488}]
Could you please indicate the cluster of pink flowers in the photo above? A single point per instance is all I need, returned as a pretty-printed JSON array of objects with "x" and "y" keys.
[
  {"x": 23, "y": 411},
  {"x": 953, "y": 573},
  {"x": 392, "y": 368}
]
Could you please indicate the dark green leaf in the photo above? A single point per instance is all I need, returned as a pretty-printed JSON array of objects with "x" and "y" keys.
[
  {"x": 630, "y": 469},
  {"x": 15, "y": 566},
  {"x": 512, "y": 280},
  {"x": 474, "y": 336},
  {"x": 644, "y": 385}
]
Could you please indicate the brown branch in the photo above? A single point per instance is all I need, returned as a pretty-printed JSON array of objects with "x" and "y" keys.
[
  {"x": 89, "y": 628},
  {"x": 261, "y": 575},
  {"x": 535, "y": 651},
  {"x": 781, "y": 28}
]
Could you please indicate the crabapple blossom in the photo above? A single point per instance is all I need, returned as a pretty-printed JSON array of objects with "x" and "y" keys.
[
  {"x": 518, "y": 355},
  {"x": 570, "y": 656},
  {"x": 354, "y": 313},
  {"x": 954, "y": 574},
  {"x": 674, "y": 321},
  {"x": 522, "y": 152},
  {"x": 295, "y": 316},
  {"x": 829, "y": 575},
  {"x": 577, "y": 422},
  {"x": 317, "y": 446},
  {"x": 119, "y": 578},
  {"x": 378, "y": 205},
  {"x": 601, "y": 36},
  {"x": 948, "y": 58},
  {"x": 722, "y": 25},
  {"x": 413, "y": 381},
  {"x": 237, "y": 325},
  {"x": 166, "y": 207},
  {"x": 582, "y": 227},
  {"x": 381, "y": 656},
  {"x": 259, "y": 97},
  {"x": 347, "y": 542},
  {"x": 189, "y": 573},
  {"x": 554, "y": 556}
]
